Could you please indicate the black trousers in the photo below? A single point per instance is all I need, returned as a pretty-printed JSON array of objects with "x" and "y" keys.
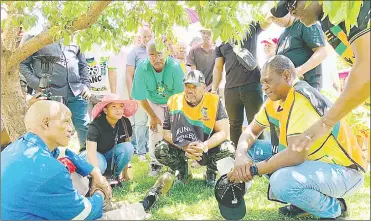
[{"x": 249, "y": 97}]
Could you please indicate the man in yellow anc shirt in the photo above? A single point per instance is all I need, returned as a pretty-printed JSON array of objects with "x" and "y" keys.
[
  {"x": 313, "y": 181},
  {"x": 195, "y": 127}
]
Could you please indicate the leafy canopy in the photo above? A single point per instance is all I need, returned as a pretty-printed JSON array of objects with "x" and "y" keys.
[{"x": 120, "y": 20}]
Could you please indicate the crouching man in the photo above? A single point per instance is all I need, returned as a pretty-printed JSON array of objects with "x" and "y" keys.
[
  {"x": 314, "y": 181},
  {"x": 195, "y": 127}
]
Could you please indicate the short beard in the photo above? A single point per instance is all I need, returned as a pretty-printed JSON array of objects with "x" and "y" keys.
[{"x": 191, "y": 104}]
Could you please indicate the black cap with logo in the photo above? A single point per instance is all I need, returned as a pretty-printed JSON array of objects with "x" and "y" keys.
[{"x": 230, "y": 198}]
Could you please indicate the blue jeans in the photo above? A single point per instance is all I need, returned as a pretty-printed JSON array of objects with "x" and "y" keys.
[
  {"x": 313, "y": 186},
  {"x": 123, "y": 154},
  {"x": 80, "y": 118},
  {"x": 141, "y": 131}
]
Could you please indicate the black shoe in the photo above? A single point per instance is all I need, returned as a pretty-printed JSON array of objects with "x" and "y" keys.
[
  {"x": 344, "y": 211},
  {"x": 293, "y": 211},
  {"x": 210, "y": 178}
]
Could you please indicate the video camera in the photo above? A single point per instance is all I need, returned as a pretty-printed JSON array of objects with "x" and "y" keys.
[{"x": 47, "y": 62}]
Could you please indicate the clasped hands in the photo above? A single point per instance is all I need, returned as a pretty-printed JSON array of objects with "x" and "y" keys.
[{"x": 195, "y": 150}]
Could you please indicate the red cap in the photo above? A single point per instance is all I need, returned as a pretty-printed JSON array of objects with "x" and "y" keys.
[
  {"x": 68, "y": 163},
  {"x": 270, "y": 41}
]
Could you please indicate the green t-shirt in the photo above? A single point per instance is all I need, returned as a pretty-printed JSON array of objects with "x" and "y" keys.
[
  {"x": 297, "y": 42},
  {"x": 157, "y": 87}
]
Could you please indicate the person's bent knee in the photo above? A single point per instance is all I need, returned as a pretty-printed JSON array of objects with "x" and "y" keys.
[
  {"x": 126, "y": 148},
  {"x": 162, "y": 151},
  {"x": 102, "y": 163},
  {"x": 285, "y": 184},
  {"x": 228, "y": 147}
]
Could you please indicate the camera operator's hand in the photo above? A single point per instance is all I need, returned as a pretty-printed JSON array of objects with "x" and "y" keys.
[
  {"x": 86, "y": 93},
  {"x": 36, "y": 97}
]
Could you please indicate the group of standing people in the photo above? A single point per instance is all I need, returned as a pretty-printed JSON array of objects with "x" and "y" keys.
[{"x": 176, "y": 110}]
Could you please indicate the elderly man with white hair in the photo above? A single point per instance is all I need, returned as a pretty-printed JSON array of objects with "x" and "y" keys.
[{"x": 155, "y": 80}]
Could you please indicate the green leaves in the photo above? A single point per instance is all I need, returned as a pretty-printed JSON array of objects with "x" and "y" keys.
[
  {"x": 120, "y": 21},
  {"x": 339, "y": 11},
  {"x": 66, "y": 38},
  {"x": 352, "y": 11}
]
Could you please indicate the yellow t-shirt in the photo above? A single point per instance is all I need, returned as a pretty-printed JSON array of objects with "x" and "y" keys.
[{"x": 301, "y": 116}]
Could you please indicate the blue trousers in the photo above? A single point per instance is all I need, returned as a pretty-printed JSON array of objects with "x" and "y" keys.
[
  {"x": 141, "y": 131},
  {"x": 123, "y": 154},
  {"x": 313, "y": 186},
  {"x": 80, "y": 117}
]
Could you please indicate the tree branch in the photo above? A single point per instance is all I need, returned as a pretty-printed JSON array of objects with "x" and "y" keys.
[{"x": 46, "y": 37}]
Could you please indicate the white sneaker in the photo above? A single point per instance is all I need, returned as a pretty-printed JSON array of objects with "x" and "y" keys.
[{"x": 142, "y": 158}]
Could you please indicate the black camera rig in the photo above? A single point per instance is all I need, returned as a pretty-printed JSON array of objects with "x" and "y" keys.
[{"x": 47, "y": 62}]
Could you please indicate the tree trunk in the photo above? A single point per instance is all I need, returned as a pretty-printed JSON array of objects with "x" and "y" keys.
[{"x": 13, "y": 105}]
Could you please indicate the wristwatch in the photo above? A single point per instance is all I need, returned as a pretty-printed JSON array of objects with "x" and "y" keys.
[{"x": 254, "y": 170}]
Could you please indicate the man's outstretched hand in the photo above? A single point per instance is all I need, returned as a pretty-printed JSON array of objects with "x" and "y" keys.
[{"x": 306, "y": 139}]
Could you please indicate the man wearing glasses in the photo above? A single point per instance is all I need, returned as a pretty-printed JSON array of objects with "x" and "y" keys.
[
  {"x": 155, "y": 80},
  {"x": 353, "y": 47}
]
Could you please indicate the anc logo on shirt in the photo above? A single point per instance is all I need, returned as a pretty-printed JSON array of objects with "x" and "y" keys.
[
  {"x": 97, "y": 72},
  {"x": 205, "y": 116},
  {"x": 339, "y": 41}
]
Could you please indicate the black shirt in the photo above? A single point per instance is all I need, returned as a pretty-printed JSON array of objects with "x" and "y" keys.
[
  {"x": 185, "y": 128},
  {"x": 236, "y": 74},
  {"x": 297, "y": 43},
  {"x": 101, "y": 131},
  {"x": 340, "y": 40}
]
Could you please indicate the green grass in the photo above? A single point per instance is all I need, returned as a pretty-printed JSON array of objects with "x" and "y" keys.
[{"x": 195, "y": 201}]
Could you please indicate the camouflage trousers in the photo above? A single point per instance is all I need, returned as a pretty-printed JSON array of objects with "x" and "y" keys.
[{"x": 175, "y": 158}]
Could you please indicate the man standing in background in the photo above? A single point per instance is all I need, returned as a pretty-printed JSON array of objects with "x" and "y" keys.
[
  {"x": 305, "y": 46},
  {"x": 270, "y": 47},
  {"x": 70, "y": 80},
  {"x": 135, "y": 57},
  {"x": 202, "y": 57},
  {"x": 156, "y": 79},
  {"x": 181, "y": 51},
  {"x": 242, "y": 89},
  {"x": 195, "y": 41}
]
